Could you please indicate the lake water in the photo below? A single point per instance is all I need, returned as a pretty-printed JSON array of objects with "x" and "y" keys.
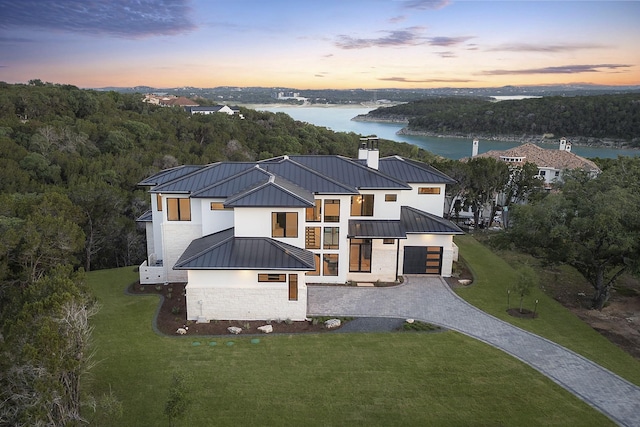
[{"x": 339, "y": 119}]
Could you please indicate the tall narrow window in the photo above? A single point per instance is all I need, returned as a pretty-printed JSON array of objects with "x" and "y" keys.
[
  {"x": 332, "y": 210},
  {"x": 159, "y": 201},
  {"x": 360, "y": 255},
  {"x": 330, "y": 239},
  {"x": 314, "y": 213},
  {"x": 284, "y": 224},
  {"x": 178, "y": 209},
  {"x": 316, "y": 272},
  {"x": 362, "y": 205},
  {"x": 312, "y": 238},
  {"x": 330, "y": 265},
  {"x": 293, "y": 287}
]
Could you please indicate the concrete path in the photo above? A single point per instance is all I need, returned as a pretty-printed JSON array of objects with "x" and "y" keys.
[{"x": 430, "y": 299}]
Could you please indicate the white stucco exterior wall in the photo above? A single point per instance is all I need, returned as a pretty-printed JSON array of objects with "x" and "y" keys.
[{"x": 237, "y": 295}]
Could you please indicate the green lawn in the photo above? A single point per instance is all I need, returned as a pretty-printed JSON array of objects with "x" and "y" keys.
[
  {"x": 323, "y": 379},
  {"x": 493, "y": 276}
]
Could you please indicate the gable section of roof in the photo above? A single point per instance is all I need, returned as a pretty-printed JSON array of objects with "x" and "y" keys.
[
  {"x": 409, "y": 170},
  {"x": 350, "y": 172},
  {"x": 416, "y": 221},
  {"x": 168, "y": 175},
  {"x": 306, "y": 177},
  {"x": 275, "y": 192},
  {"x": 145, "y": 217},
  {"x": 223, "y": 251},
  {"x": 203, "y": 178},
  {"x": 234, "y": 184}
]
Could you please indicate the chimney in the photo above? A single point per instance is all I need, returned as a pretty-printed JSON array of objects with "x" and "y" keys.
[
  {"x": 369, "y": 151},
  {"x": 563, "y": 144},
  {"x": 474, "y": 150}
]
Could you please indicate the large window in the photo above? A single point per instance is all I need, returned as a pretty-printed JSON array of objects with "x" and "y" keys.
[
  {"x": 360, "y": 255},
  {"x": 330, "y": 265},
  {"x": 362, "y": 205},
  {"x": 312, "y": 238},
  {"x": 284, "y": 224},
  {"x": 332, "y": 210},
  {"x": 314, "y": 213},
  {"x": 178, "y": 209},
  {"x": 330, "y": 240}
]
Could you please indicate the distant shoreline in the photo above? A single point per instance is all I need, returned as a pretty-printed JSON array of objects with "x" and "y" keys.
[{"x": 371, "y": 105}]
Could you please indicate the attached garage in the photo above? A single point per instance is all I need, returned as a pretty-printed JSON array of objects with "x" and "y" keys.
[{"x": 423, "y": 260}]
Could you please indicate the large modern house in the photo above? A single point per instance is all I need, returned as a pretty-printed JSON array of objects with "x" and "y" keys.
[{"x": 247, "y": 237}]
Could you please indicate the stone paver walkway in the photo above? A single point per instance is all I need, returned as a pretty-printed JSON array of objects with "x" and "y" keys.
[{"x": 430, "y": 299}]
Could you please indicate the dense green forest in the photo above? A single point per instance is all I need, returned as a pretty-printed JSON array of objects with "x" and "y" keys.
[
  {"x": 93, "y": 148},
  {"x": 603, "y": 116}
]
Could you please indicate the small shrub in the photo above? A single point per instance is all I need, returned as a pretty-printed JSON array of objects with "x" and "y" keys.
[
  {"x": 175, "y": 310},
  {"x": 419, "y": 326},
  {"x": 246, "y": 325},
  {"x": 158, "y": 288},
  {"x": 288, "y": 321},
  {"x": 168, "y": 296},
  {"x": 169, "y": 289}
]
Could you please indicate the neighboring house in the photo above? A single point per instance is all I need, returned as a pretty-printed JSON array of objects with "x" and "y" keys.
[
  {"x": 551, "y": 163},
  {"x": 209, "y": 109},
  {"x": 247, "y": 237}
]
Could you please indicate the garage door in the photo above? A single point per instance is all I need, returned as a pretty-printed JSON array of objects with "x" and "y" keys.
[{"x": 422, "y": 260}]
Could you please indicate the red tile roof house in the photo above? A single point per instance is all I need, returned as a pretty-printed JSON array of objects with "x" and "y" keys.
[{"x": 247, "y": 237}]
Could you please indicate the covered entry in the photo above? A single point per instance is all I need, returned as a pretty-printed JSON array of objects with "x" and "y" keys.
[{"x": 422, "y": 260}]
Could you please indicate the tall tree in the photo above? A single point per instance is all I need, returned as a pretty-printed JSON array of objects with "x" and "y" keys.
[
  {"x": 591, "y": 224},
  {"x": 485, "y": 178}
]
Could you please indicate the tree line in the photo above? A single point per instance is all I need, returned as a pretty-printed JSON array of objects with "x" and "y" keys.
[{"x": 602, "y": 116}]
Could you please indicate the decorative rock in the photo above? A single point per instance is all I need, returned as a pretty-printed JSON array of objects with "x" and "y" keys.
[
  {"x": 332, "y": 323},
  {"x": 464, "y": 282},
  {"x": 234, "y": 330},
  {"x": 266, "y": 329},
  {"x": 181, "y": 331},
  {"x": 409, "y": 320}
]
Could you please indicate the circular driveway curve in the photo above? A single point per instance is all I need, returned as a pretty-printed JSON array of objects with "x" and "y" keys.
[{"x": 429, "y": 299}]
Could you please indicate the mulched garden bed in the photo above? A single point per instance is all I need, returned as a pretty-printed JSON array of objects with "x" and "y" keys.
[
  {"x": 172, "y": 315},
  {"x": 524, "y": 314}
]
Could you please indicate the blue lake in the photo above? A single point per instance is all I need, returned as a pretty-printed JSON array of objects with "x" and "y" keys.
[{"x": 339, "y": 119}]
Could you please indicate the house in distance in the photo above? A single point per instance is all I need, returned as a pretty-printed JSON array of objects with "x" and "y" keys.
[{"x": 247, "y": 237}]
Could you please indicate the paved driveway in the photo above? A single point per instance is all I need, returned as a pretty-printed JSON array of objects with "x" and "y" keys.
[{"x": 429, "y": 299}]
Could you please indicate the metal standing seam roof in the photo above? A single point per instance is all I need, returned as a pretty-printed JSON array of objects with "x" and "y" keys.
[
  {"x": 350, "y": 172},
  {"x": 168, "y": 175},
  {"x": 416, "y": 221},
  {"x": 275, "y": 192},
  {"x": 409, "y": 170},
  {"x": 223, "y": 251},
  {"x": 233, "y": 184},
  {"x": 376, "y": 229},
  {"x": 306, "y": 177},
  {"x": 203, "y": 178},
  {"x": 145, "y": 217}
]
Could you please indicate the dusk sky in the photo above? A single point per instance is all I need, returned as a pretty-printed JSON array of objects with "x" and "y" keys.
[{"x": 309, "y": 44}]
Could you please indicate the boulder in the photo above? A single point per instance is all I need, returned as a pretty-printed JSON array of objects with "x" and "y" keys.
[
  {"x": 332, "y": 323},
  {"x": 267, "y": 329},
  {"x": 234, "y": 330},
  {"x": 181, "y": 331},
  {"x": 410, "y": 321}
]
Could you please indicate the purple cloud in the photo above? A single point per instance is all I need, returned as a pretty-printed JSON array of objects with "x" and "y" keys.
[
  {"x": 565, "y": 69},
  {"x": 448, "y": 41},
  {"x": 525, "y": 47},
  {"x": 121, "y": 18},
  {"x": 398, "y": 38}
]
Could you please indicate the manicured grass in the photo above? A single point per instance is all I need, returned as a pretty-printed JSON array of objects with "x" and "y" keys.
[
  {"x": 318, "y": 379},
  {"x": 493, "y": 276}
]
